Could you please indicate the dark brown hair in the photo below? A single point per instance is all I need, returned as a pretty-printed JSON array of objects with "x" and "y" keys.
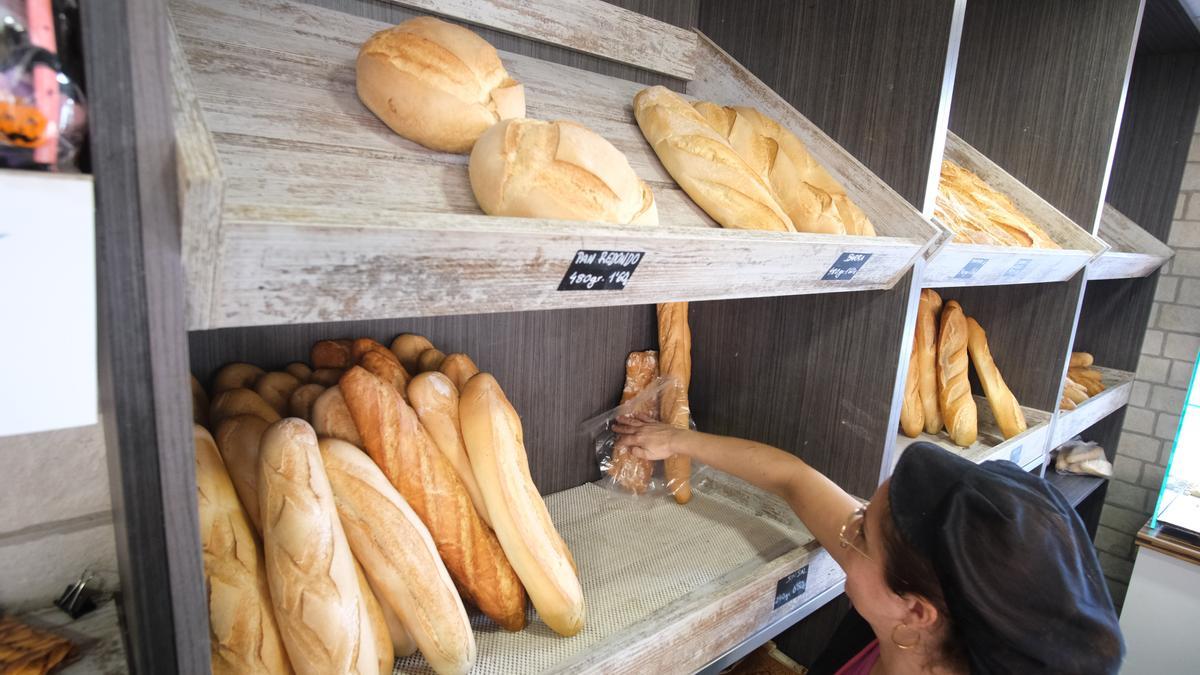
[{"x": 907, "y": 572}]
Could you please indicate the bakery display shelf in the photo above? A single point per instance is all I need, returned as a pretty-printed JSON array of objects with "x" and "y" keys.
[
  {"x": 1025, "y": 449},
  {"x": 957, "y": 264},
  {"x": 1074, "y": 487},
  {"x": 299, "y": 205},
  {"x": 1118, "y": 384},
  {"x": 667, "y": 588},
  {"x": 1134, "y": 252}
]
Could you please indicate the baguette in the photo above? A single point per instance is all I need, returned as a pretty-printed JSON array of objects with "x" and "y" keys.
[
  {"x": 626, "y": 469},
  {"x": 978, "y": 213},
  {"x": 1081, "y": 360},
  {"x": 301, "y": 403},
  {"x": 276, "y": 389},
  {"x": 928, "y": 309},
  {"x": 238, "y": 440},
  {"x": 408, "y": 347},
  {"x": 402, "y": 641},
  {"x": 1006, "y": 410},
  {"x": 954, "y": 389},
  {"x": 299, "y": 370},
  {"x": 326, "y": 377},
  {"x": 199, "y": 403},
  {"x": 242, "y": 631},
  {"x": 459, "y": 368},
  {"x": 384, "y": 651},
  {"x": 1074, "y": 392},
  {"x": 236, "y": 376},
  {"x": 1066, "y": 403},
  {"x": 675, "y": 361},
  {"x": 400, "y": 558},
  {"x": 430, "y": 360},
  {"x": 495, "y": 443},
  {"x": 386, "y": 368},
  {"x": 435, "y": 399},
  {"x": 912, "y": 415},
  {"x": 395, "y": 438},
  {"x": 239, "y": 402},
  {"x": 331, "y": 418},
  {"x": 314, "y": 586},
  {"x": 361, "y": 346},
  {"x": 704, "y": 164},
  {"x": 332, "y": 354}
]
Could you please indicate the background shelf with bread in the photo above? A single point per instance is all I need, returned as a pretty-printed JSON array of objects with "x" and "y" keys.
[
  {"x": 299, "y": 201},
  {"x": 1133, "y": 252},
  {"x": 1090, "y": 393},
  {"x": 997, "y": 230}
]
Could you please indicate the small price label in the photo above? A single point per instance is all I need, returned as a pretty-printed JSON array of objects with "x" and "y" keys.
[
  {"x": 846, "y": 266},
  {"x": 1014, "y": 455},
  {"x": 600, "y": 270},
  {"x": 968, "y": 271},
  {"x": 1018, "y": 268},
  {"x": 791, "y": 587}
]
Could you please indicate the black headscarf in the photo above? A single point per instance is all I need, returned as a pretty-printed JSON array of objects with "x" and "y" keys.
[{"x": 1017, "y": 568}]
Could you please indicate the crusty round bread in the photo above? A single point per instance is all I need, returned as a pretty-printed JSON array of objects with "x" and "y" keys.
[
  {"x": 436, "y": 83},
  {"x": 534, "y": 169}
]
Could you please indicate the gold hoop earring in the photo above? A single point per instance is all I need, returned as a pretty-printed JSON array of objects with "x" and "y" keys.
[{"x": 901, "y": 645}]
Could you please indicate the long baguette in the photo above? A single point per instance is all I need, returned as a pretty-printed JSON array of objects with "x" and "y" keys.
[
  {"x": 626, "y": 469},
  {"x": 399, "y": 557},
  {"x": 395, "y": 438},
  {"x": 331, "y": 418},
  {"x": 384, "y": 651},
  {"x": 238, "y": 438},
  {"x": 386, "y": 368},
  {"x": 1005, "y": 408},
  {"x": 954, "y": 388},
  {"x": 495, "y": 443},
  {"x": 435, "y": 399},
  {"x": 912, "y": 416},
  {"x": 928, "y": 308},
  {"x": 675, "y": 361},
  {"x": 239, "y": 402}
]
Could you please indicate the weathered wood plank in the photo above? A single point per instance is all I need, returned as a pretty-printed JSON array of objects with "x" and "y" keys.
[
  {"x": 1134, "y": 253},
  {"x": 1119, "y": 384},
  {"x": 589, "y": 26},
  {"x": 1026, "y": 449}
]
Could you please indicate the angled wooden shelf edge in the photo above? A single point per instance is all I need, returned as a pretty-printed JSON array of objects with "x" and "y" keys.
[
  {"x": 1118, "y": 383},
  {"x": 300, "y": 206},
  {"x": 957, "y": 264},
  {"x": 1075, "y": 488},
  {"x": 1026, "y": 449},
  {"x": 1133, "y": 251}
]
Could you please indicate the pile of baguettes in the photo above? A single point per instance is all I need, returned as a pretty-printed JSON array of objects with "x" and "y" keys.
[
  {"x": 442, "y": 86},
  {"x": 937, "y": 391},
  {"x": 1082, "y": 382},
  {"x": 977, "y": 213},
  {"x": 335, "y": 559}
]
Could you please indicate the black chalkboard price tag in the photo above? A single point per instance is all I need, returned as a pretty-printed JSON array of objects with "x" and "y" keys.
[
  {"x": 600, "y": 270},
  {"x": 791, "y": 587},
  {"x": 968, "y": 271},
  {"x": 846, "y": 266}
]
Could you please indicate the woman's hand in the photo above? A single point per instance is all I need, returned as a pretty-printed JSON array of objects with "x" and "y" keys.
[{"x": 646, "y": 437}]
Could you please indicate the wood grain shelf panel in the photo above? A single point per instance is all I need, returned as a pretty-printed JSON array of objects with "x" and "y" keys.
[
  {"x": 1133, "y": 251},
  {"x": 1118, "y": 383},
  {"x": 1075, "y": 488},
  {"x": 1026, "y": 449},
  {"x": 956, "y": 264},
  {"x": 300, "y": 206}
]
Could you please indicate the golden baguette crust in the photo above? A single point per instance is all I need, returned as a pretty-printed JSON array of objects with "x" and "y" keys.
[
  {"x": 704, "y": 164},
  {"x": 331, "y": 418},
  {"x": 408, "y": 347},
  {"x": 954, "y": 388},
  {"x": 1005, "y": 408},
  {"x": 242, "y": 630},
  {"x": 386, "y": 368},
  {"x": 928, "y": 308},
  {"x": 912, "y": 416},
  {"x": 675, "y": 361},
  {"x": 395, "y": 438},
  {"x": 979, "y": 214},
  {"x": 314, "y": 587},
  {"x": 402, "y": 642},
  {"x": 361, "y": 346},
  {"x": 435, "y": 399},
  {"x": 626, "y": 469},
  {"x": 384, "y": 651},
  {"x": 276, "y": 389},
  {"x": 302, "y": 400},
  {"x": 239, "y": 402},
  {"x": 236, "y": 376},
  {"x": 495, "y": 443},
  {"x": 400, "y": 558},
  {"x": 1081, "y": 360},
  {"x": 459, "y": 368},
  {"x": 238, "y": 440}
]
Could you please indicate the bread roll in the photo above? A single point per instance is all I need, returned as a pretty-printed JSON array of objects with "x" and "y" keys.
[
  {"x": 705, "y": 165},
  {"x": 332, "y": 354},
  {"x": 1006, "y": 410},
  {"x": 430, "y": 360},
  {"x": 954, "y": 388},
  {"x": 626, "y": 469},
  {"x": 384, "y": 651},
  {"x": 326, "y": 377},
  {"x": 239, "y": 402},
  {"x": 331, "y": 418},
  {"x": 675, "y": 361},
  {"x": 236, "y": 376},
  {"x": 386, "y": 368},
  {"x": 301, "y": 403},
  {"x": 361, "y": 346},
  {"x": 928, "y": 308},
  {"x": 436, "y": 83},
  {"x": 298, "y": 370},
  {"x": 199, "y": 403},
  {"x": 812, "y": 199},
  {"x": 527, "y": 168},
  {"x": 496, "y": 445},
  {"x": 1074, "y": 392},
  {"x": 912, "y": 415},
  {"x": 314, "y": 587},
  {"x": 1066, "y": 403},
  {"x": 241, "y": 627},
  {"x": 238, "y": 440},
  {"x": 435, "y": 399},
  {"x": 408, "y": 347},
  {"x": 459, "y": 368},
  {"x": 276, "y": 389},
  {"x": 400, "y": 558},
  {"x": 395, "y": 438},
  {"x": 1081, "y": 360}
]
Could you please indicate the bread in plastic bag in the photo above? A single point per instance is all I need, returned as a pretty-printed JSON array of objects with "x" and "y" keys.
[{"x": 1082, "y": 458}]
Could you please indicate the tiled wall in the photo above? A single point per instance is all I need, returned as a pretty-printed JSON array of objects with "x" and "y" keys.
[
  {"x": 1152, "y": 418},
  {"x": 55, "y": 514}
]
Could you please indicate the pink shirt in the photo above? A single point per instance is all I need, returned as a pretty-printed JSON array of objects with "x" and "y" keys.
[{"x": 863, "y": 662}]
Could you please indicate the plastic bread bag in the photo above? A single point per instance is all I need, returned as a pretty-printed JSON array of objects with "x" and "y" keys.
[
  {"x": 42, "y": 112},
  {"x": 1082, "y": 458}
]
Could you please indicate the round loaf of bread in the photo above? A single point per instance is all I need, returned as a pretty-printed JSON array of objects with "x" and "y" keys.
[
  {"x": 534, "y": 169},
  {"x": 436, "y": 83}
]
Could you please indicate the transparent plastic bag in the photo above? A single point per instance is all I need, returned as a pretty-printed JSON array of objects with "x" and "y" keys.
[
  {"x": 43, "y": 117},
  {"x": 1082, "y": 458}
]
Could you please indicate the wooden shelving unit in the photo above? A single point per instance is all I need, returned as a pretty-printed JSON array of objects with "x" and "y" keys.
[
  {"x": 1118, "y": 384},
  {"x": 1133, "y": 252},
  {"x": 1074, "y": 488},
  {"x": 1025, "y": 449}
]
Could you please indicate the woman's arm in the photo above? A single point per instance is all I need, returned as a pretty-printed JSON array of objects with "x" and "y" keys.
[{"x": 818, "y": 501}]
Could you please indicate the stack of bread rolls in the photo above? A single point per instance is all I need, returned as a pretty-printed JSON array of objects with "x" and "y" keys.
[
  {"x": 937, "y": 391},
  {"x": 979, "y": 214},
  {"x": 1082, "y": 382},
  {"x": 352, "y": 530}
]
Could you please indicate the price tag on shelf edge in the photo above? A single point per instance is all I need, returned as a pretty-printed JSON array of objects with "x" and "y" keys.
[
  {"x": 600, "y": 270},
  {"x": 1014, "y": 455},
  {"x": 791, "y": 587},
  {"x": 968, "y": 271},
  {"x": 846, "y": 266},
  {"x": 1018, "y": 268}
]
